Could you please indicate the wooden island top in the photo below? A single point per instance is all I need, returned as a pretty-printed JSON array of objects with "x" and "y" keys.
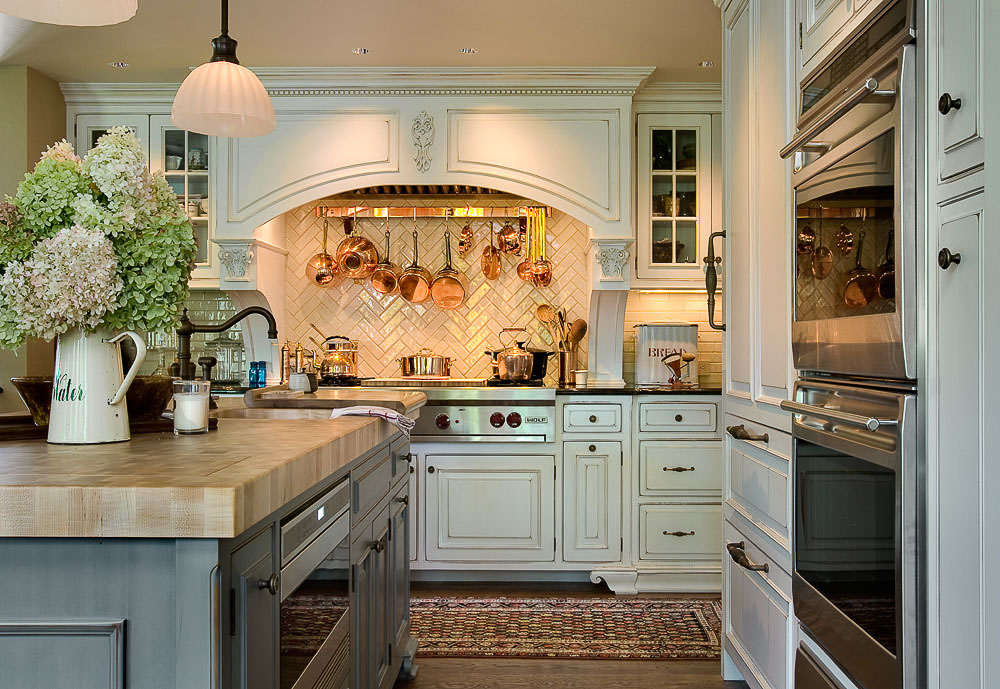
[{"x": 163, "y": 486}]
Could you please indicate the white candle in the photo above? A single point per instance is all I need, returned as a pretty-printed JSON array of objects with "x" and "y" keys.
[{"x": 190, "y": 412}]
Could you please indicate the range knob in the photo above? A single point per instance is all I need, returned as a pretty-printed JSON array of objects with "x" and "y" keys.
[
  {"x": 496, "y": 419},
  {"x": 513, "y": 419},
  {"x": 442, "y": 421}
]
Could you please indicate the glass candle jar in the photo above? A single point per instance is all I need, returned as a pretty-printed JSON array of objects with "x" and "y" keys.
[{"x": 191, "y": 406}]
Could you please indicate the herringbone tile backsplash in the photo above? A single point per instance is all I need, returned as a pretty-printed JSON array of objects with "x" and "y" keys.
[{"x": 389, "y": 327}]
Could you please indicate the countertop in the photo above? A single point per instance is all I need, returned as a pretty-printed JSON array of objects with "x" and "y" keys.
[
  {"x": 632, "y": 390},
  {"x": 333, "y": 398},
  {"x": 159, "y": 485}
]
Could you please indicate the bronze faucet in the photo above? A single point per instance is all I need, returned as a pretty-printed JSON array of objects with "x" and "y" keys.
[{"x": 187, "y": 328}]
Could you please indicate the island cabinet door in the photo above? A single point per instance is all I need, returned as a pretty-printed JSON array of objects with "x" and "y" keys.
[
  {"x": 381, "y": 625},
  {"x": 592, "y": 507},
  {"x": 253, "y": 615},
  {"x": 399, "y": 569},
  {"x": 482, "y": 508}
]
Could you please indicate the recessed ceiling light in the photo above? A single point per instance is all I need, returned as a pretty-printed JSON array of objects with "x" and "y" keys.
[
  {"x": 118, "y": 64},
  {"x": 469, "y": 51},
  {"x": 706, "y": 63},
  {"x": 360, "y": 51}
]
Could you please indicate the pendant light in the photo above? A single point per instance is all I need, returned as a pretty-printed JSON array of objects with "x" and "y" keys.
[
  {"x": 71, "y": 12},
  {"x": 222, "y": 98}
]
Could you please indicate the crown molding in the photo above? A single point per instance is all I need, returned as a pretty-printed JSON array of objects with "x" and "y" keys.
[
  {"x": 679, "y": 92},
  {"x": 397, "y": 81}
]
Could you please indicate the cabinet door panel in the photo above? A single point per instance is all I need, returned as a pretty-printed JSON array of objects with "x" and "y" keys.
[
  {"x": 381, "y": 606},
  {"x": 399, "y": 569},
  {"x": 960, "y": 65},
  {"x": 490, "y": 508},
  {"x": 254, "y": 646},
  {"x": 592, "y": 474},
  {"x": 737, "y": 258},
  {"x": 962, "y": 450},
  {"x": 821, "y": 21},
  {"x": 91, "y": 127}
]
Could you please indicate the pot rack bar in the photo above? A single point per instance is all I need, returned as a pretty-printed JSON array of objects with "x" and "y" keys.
[{"x": 428, "y": 211}]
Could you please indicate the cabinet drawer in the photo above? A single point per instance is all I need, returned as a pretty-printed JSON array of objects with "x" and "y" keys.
[
  {"x": 759, "y": 485},
  {"x": 370, "y": 483},
  {"x": 756, "y": 612},
  {"x": 676, "y": 467},
  {"x": 675, "y": 417},
  {"x": 679, "y": 532},
  {"x": 599, "y": 418},
  {"x": 400, "y": 451}
]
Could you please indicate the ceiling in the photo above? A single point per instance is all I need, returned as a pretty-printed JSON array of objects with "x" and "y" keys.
[{"x": 167, "y": 37}]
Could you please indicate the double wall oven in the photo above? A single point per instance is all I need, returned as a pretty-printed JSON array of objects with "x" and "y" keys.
[{"x": 856, "y": 511}]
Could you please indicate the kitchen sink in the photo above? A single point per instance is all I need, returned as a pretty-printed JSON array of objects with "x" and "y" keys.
[{"x": 273, "y": 413}]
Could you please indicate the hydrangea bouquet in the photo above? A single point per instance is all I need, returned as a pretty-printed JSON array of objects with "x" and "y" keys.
[{"x": 92, "y": 242}]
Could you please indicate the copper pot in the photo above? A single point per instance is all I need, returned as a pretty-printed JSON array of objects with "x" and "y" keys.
[
  {"x": 425, "y": 363},
  {"x": 356, "y": 256},
  {"x": 414, "y": 283},
  {"x": 448, "y": 288},
  {"x": 385, "y": 279}
]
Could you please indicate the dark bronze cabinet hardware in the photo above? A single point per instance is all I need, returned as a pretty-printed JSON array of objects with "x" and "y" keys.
[
  {"x": 411, "y": 468},
  {"x": 678, "y": 418},
  {"x": 593, "y": 419},
  {"x": 740, "y": 557},
  {"x": 592, "y": 448},
  {"x": 678, "y": 469},
  {"x": 430, "y": 470},
  {"x": 272, "y": 584},
  {"x": 405, "y": 499},
  {"x": 712, "y": 279},
  {"x": 679, "y": 534},
  {"x": 741, "y": 433},
  {"x": 410, "y": 457},
  {"x": 946, "y": 259},
  {"x": 946, "y": 103},
  {"x": 379, "y": 545}
]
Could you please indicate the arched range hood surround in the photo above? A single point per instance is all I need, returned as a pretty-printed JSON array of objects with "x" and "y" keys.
[{"x": 561, "y": 137}]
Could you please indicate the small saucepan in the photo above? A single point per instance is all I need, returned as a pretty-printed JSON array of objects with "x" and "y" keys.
[
  {"x": 862, "y": 285},
  {"x": 448, "y": 288},
  {"x": 415, "y": 282}
]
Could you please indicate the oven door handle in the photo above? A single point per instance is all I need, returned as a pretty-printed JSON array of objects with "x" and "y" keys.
[
  {"x": 868, "y": 423},
  {"x": 868, "y": 87}
]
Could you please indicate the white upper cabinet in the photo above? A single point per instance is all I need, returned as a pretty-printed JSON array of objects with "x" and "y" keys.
[
  {"x": 90, "y": 128},
  {"x": 757, "y": 215},
  {"x": 959, "y": 86},
  {"x": 824, "y": 24},
  {"x": 184, "y": 159},
  {"x": 674, "y": 204}
]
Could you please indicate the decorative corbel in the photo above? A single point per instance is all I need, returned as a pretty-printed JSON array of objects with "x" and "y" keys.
[
  {"x": 422, "y": 134},
  {"x": 235, "y": 257}
]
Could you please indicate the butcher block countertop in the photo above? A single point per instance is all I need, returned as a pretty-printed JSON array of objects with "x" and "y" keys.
[{"x": 159, "y": 485}]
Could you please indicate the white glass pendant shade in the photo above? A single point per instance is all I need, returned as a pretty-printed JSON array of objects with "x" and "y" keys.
[
  {"x": 223, "y": 99},
  {"x": 71, "y": 12}
]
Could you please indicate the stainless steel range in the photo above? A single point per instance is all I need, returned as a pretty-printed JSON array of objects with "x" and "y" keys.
[{"x": 510, "y": 415}]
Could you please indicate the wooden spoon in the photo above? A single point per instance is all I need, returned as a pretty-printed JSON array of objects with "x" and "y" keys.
[
  {"x": 577, "y": 329},
  {"x": 547, "y": 315}
]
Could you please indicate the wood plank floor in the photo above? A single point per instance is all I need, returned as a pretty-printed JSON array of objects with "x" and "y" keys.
[{"x": 537, "y": 673}]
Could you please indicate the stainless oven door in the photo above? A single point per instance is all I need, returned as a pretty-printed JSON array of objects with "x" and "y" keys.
[
  {"x": 855, "y": 239},
  {"x": 853, "y": 529},
  {"x": 315, "y": 567}
]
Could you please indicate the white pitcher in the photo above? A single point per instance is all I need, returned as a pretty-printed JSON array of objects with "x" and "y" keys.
[{"x": 88, "y": 391}]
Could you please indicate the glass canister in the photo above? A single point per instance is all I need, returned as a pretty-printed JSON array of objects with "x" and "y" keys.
[{"x": 229, "y": 353}]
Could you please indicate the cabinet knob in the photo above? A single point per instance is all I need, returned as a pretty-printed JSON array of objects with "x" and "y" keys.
[
  {"x": 379, "y": 545},
  {"x": 592, "y": 448},
  {"x": 946, "y": 103},
  {"x": 678, "y": 418},
  {"x": 678, "y": 469},
  {"x": 272, "y": 584},
  {"x": 409, "y": 457},
  {"x": 593, "y": 419},
  {"x": 405, "y": 499},
  {"x": 946, "y": 259},
  {"x": 679, "y": 534},
  {"x": 411, "y": 468},
  {"x": 430, "y": 470}
]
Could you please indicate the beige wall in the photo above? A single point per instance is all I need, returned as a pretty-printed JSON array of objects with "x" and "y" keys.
[{"x": 32, "y": 116}]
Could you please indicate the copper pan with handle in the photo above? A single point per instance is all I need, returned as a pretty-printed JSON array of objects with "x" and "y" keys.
[
  {"x": 449, "y": 287},
  {"x": 415, "y": 282}
]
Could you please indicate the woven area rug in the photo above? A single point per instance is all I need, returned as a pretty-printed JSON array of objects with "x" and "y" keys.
[{"x": 599, "y": 628}]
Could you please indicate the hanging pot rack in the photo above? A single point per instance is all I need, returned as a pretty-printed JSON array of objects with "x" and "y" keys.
[{"x": 411, "y": 212}]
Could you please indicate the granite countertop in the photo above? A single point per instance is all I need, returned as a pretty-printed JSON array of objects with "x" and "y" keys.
[
  {"x": 632, "y": 390},
  {"x": 159, "y": 485}
]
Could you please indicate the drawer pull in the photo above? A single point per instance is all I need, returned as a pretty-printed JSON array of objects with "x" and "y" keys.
[
  {"x": 679, "y": 534},
  {"x": 593, "y": 419},
  {"x": 740, "y": 557},
  {"x": 741, "y": 433},
  {"x": 678, "y": 469},
  {"x": 678, "y": 418}
]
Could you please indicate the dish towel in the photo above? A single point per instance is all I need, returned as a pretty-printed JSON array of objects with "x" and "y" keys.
[{"x": 400, "y": 421}]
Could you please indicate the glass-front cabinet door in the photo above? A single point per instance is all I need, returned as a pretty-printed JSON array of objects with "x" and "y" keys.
[
  {"x": 89, "y": 128},
  {"x": 674, "y": 198},
  {"x": 184, "y": 159}
]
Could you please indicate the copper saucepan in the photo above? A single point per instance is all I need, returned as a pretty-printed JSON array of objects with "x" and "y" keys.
[
  {"x": 490, "y": 261},
  {"x": 448, "y": 288},
  {"x": 385, "y": 278},
  {"x": 862, "y": 285},
  {"x": 414, "y": 283},
  {"x": 356, "y": 256}
]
